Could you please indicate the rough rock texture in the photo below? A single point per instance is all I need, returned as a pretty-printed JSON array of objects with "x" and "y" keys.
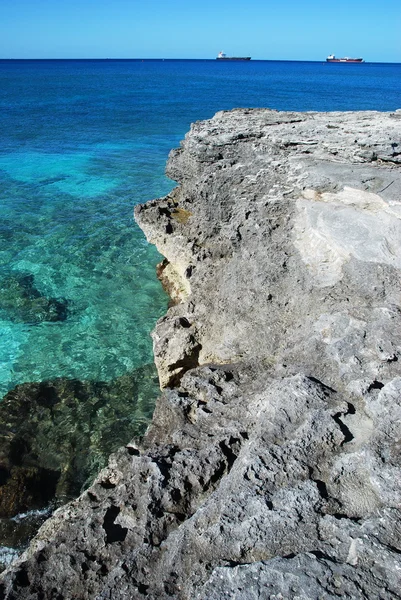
[{"x": 272, "y": 466}]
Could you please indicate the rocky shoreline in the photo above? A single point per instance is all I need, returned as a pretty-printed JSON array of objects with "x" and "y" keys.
[{"x": 271, "y": 468}]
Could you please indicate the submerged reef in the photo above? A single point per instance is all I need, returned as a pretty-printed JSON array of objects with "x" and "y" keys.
[
  {"x": 271, "y": 468},
  {"x": 22, "y": 302},
  {"x": 56, "y": 435}
]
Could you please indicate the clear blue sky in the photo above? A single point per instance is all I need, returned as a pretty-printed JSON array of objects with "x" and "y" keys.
[{"x": 263, "y": 29}]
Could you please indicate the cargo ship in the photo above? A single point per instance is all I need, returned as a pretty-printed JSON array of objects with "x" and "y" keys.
[
  {"x": 332, "y": 58},
  {"x": 222, "y": 56}
]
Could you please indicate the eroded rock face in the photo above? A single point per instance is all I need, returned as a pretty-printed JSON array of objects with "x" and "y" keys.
[{"x": 272, "y": 465}]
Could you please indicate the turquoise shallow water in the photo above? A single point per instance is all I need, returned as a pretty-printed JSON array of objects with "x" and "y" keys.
[
  {"x": 81, "y": 142},
  {"x": 71, "y": 170},
  {"x": 67, "y": 221}
]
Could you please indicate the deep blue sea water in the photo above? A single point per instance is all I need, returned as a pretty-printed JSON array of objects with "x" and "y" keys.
[{"x": 81, "y": 142}]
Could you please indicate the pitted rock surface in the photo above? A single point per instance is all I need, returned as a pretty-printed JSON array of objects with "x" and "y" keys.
[{"x": 272, "y": 465}]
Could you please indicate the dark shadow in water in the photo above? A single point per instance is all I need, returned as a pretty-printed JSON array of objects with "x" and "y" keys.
[
  {"x": 56, "y": 435},
  {"x": 21, "y": 301}
]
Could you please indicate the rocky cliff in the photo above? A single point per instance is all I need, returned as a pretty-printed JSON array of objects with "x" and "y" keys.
[{"x": 272, "y": 466}]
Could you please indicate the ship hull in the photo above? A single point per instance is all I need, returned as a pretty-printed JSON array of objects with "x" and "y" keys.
[
  {"x": 234, "y": 58},
  {"x": 344, "y": 60}
]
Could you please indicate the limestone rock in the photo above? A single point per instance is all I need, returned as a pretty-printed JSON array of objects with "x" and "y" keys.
[{"x": 271, "y": 468}]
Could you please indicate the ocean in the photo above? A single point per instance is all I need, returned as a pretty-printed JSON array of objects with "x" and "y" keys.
[{"x": 82, "y": 142}]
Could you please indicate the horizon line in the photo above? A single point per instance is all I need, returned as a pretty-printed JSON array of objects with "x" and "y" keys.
[{"x": 177, "y": 59}]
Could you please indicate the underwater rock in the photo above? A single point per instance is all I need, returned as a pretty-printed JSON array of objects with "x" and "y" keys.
[
  {"x": 56, "y": 435},
  {"x": 21, "y": 301}
]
